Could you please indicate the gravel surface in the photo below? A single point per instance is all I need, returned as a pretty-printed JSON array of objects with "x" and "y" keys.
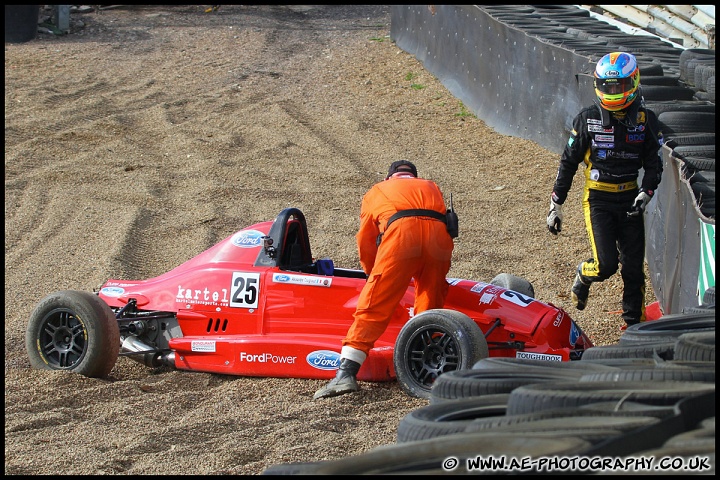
[{"x": 150, "y": 133}]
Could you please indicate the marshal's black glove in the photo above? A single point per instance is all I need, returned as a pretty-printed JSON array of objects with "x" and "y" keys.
[
  {"x": 640, "y": 203},
  {"x": 555, "y": 217}
]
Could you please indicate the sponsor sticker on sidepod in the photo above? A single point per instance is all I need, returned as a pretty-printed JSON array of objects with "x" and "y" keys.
[
  {"x": 538, "y": 356},
  {"x": 324, "y": 359},
  {"x": 248, "y": 239},
  {"x": 112, "y": 291}
]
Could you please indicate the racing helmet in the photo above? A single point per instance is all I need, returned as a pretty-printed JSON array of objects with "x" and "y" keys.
[{"x": 617, "y": 79}]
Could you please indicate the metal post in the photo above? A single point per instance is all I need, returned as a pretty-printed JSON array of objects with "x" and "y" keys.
[{"x": 61, "y": 14}]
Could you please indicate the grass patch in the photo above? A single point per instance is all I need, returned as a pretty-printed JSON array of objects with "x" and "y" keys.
[{"x": 464, "y": 112}]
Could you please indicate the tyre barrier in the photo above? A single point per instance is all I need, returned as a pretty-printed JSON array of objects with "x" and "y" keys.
[
  {"x": 696, "y": 347},
  {"x": 667, "y": 328},
  {"x": 588, "y": 409}
]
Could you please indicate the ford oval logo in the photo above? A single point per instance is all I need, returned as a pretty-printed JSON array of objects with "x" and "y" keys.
[
  {"x": 574, "y": 333},
  {"x": 324, "y": 359},
  {"x": 282, "y": 278},
  {"x": 248, "y": 239},
  {"x": 112, "y": 291}
]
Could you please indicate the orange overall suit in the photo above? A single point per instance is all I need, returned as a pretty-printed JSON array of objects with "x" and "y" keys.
[{"x": 412, "y": 247}]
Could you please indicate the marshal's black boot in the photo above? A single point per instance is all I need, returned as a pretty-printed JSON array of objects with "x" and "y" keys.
[{"x": 345, "y": 381}]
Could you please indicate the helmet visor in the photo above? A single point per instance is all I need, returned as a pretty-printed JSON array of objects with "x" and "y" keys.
[{"x": 614, "y": 86}]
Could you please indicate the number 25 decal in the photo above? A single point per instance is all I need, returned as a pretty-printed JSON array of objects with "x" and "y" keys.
[
  {"x": 245, "y": 290},
  {"x": 517, "y": 298}
]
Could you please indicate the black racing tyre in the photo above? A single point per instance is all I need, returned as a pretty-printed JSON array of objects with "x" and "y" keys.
[
  {"x": 584, "y": 421},
  {"x": 571, "y": 369},
  {"x": 449, "y": 417},
  {"x": 696, "y": 347},
  {"x": 692, "y": 438},
  {"x": 514, "y": 283},
  {"x": 673, "y": 141},
  {"x": 699, "y": 163},
  {"x": 702, "y": 176},
  {"x": 554, "y": 395},
  {"x": 663, "y": 92},
  {"x": 682, "y": 151},
  {"x": 433, "y": 343},
  {"x": 620, "y": 362},
  {"x": 476, "y": 383},
  {"x": 709, "y": 296},
  {"x": 74, "y": 331},
  {"x": 703, "y": 71},
  {"x": 431, "y": 456},
  {"x": 687, "y": 122},
  {"x": 699, "y": 309},
  {"x": 687, "y": 74},
  {"x": 655, "y": 69},
  {"x": 691, "y": 70},
  {"x": 708, "y": 422},
  {"x": 653, "y": 374},
  {"x": 701, "y": 95},
  {"x": 667, "y": 328},
  {"x": 704, "y": 194},
  {"x": 627, "y": 408},
  {"x": 664, "y": 350},
  {"x": 660, "y": 106},
  {"x": 660, "y": 80},
  {"x": 711, "y": 89}
]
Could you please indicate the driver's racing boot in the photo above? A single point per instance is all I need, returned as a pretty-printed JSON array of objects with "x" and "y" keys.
[
  {"x": 344, "y": 381},
  {"x": 580, "y": 290}
]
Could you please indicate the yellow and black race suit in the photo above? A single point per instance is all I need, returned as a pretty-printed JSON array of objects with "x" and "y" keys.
[{"x": 615, "y": 147}]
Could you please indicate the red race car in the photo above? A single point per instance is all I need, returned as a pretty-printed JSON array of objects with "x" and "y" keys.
[{"x": 258, "y": 304}]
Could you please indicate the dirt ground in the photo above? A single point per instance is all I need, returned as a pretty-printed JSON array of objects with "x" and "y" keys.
[{"x": 150, "y": 133}]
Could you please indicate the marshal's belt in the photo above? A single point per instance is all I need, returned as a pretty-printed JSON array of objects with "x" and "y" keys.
[
  {"x": 412, "y": 212},
  {"x": 611, "y": 187}
]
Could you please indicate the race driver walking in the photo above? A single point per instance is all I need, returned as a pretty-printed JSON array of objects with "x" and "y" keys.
[{"x": 615, "y": 138}]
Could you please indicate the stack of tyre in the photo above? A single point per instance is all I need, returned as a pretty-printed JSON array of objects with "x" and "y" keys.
[
  {"x": 650, "y": 395},
  {"x": 689, "y": 126}
]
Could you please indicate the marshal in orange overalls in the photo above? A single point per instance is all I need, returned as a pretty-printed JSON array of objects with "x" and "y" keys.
[{"x": 412, "y": 247}]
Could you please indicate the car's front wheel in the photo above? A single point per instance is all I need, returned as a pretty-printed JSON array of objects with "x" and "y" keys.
[
  {"x": 75, "y": 331},
  {"x": 432, "y": 343}
]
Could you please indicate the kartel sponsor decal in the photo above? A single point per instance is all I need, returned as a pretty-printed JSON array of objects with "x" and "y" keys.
[
  {"x": 201, "y": 296},
  {"x": 323, "y": 359},
  {"x": 248, "y": 238}
]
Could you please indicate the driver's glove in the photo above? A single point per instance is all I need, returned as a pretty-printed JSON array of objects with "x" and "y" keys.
[
  {"x": 555, "y": 217},
  {"x": 640, "y": 203}
]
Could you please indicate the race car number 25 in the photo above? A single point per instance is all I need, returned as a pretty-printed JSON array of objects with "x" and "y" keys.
[{"x": 245, "y": 290}]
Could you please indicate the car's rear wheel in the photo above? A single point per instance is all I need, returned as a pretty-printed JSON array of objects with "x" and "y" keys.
[
  {"x": 432, "y": 343},
  {"x": 74, "y": 331}
]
